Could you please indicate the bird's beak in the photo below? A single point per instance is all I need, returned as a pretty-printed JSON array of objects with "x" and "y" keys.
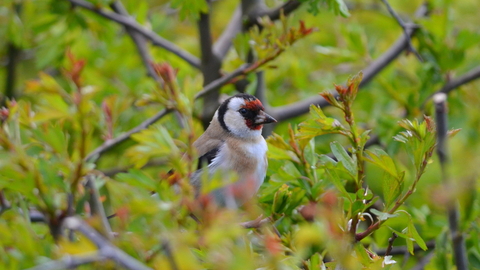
[{"x": 264, "y": 118}]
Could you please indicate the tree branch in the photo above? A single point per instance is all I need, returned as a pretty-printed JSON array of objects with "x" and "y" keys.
[
  {"x": 292, "y": 110},
  {"x": 107, "y": 145},
  {"x": 105, "y": 248},
  {"x": 139, "y": 41},
  {"x": 13, "y": 55},
  {"x": 128, "y": 21},
  {"x": 252, "y": 12},
  {"x": 70, "y": 262},
  {"x": 257, "y": 223},
  {"x": 96, "y": 205},
  {"x": 459, "y": 250},
  {"x": 274, "y": 14},
  {"x": 210, "y": 66},
  {"x": 403, "y": 249},
  {"x": 455, "y": 83},
  {"x": 4, "y": 203},
  {"x": 405, "y": 28},
  {"x": 224, "y": 42},
  {"x": 113, "y": 171},
  {"x": 216, "y": 84}
]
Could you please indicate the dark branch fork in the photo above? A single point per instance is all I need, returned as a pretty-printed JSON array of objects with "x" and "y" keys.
[{"x": 405, "y": 27}]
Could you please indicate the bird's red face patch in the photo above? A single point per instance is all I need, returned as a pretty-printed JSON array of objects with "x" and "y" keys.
[{"x": 253, "y": 106}]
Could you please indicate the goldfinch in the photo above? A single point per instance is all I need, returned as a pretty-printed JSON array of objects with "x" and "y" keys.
[{"x": 233, "y": 142}]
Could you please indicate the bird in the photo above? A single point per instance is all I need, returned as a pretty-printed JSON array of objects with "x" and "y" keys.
[{"x": 233, "y": 142}]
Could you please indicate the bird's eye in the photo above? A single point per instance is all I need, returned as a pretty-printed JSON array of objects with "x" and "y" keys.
[{"x": 243, "y": 111}]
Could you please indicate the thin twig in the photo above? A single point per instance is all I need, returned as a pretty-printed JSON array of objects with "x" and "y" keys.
[
  {"x": 128, "y": 21},
  {"x": 453, "y": 84},
  {"x": 423, "y": 261},
  {"x": 107, "y": 145},
  {"x": 139, "y": 41},
  {"x": 390, "y": 244},
  {"x": 166, "y": 247},
  {"x": 96, "y": 206},
  {"x": 296, "y": 109},
  {"x": 404, "y": 249},
  {"x": 405, "y": 28},
  {"x": 152, "y": 163},
  {"x": 459, "y": 250},
  {"x": 216, "y": 84},
  {"x": 4, "y": 203},
  {"x": 274, "y": 14},
  {"x": 224, "y": 42},
  {"x": 70, "y": 262},
  {"x": 105, "y": 248},
  {"x": 257, "y": 223}
]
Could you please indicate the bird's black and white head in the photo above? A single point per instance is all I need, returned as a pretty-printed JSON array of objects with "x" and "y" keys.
[{"x": 243, "y": 115}]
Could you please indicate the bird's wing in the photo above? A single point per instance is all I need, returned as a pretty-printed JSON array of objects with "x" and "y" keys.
[{"x": 207, "y": 158}]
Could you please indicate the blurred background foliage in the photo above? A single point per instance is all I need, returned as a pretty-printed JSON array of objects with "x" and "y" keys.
[{"x": 72, "y": 80}]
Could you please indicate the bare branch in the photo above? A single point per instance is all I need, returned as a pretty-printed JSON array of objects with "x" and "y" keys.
[
  {"x": 107, "y": 145},
  {"x": 128, "y": 21},
  {"x": 139, "y": 41},
  {"x": 390, "y": 244},
  {"x": 210, "y": 66},
  {"x": 4, "y": 203},
  {"x": 459, "y": 250},
  {"x": 13, "y": 56},
  {"x": 96, "y": 205},
  {"x": 167, "y": 248},
  {"x": 216, "y": 84},
  {"x": 224, "y": 42},
  {"x": 274, "y": 14},
  {"x": 113, "y": 171},
  {"x": 257, "y": 223},
  {"x": 252, "y": 10},
  {"x": 405, "y": 28},
  {"x": 105, "y": 248},
  {"x": 404, "y": 250},
  {"x": 292, "y": 110},
  {"x": 423, "y": 262},
  {"x": 455, "y": 83},
  {"x": 70, "y": 262}
]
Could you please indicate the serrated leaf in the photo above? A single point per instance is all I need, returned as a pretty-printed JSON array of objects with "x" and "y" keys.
[
  {"x": 392, "y": 188},
  {"x": 342, "y": 156},
  {"x": 382, "y": 215},
  {"x": 137, "y": 178},
  {"x": 414, "y": 233},
  {"x": 317, "y": 124},
  {"x": 381, "y": 159},
  {"x": 362, "y": 254}
]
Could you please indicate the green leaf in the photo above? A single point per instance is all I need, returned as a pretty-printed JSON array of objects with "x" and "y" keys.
[
  {"x": 380, "y": 158},
  {"x": 137, "y": 178},
  {"x": 414, "y": 233},
  {"x": 382, "y": 215},
  {"x": 342, "y": 156},
  {"x": 190, "y": 9},
  {"x": 317, "y": 124},
  {"x": 362, "y": 254},
  {"x": 392, "y": 188}
]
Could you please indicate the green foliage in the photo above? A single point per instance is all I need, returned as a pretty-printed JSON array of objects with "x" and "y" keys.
[{"x": 330, "y": 198}]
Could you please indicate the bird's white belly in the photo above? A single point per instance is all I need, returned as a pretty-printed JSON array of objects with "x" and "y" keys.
[{"x": 249, "y": 181}]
